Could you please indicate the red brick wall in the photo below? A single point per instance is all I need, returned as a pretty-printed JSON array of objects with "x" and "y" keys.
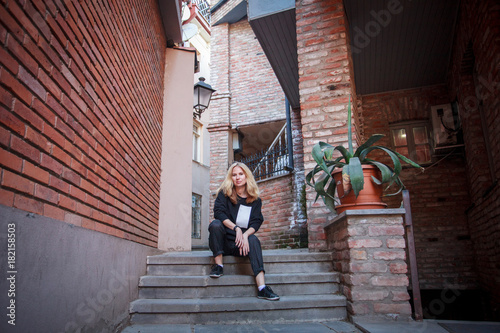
[
  {"x": 81, "y": 86},
  {"x": 477, "y": 88},
  {"x": 219, "y": 109},
  {"x": 439, "y": 196},
  {"x": 219, "y": 75},
  {"x": 325, "y": 83},
  {"x": 280, "y": 229},
  {"x": 369, "y": 254},
  {"x": 248, "y": 93},
  {"x": 257, "y": 96}
]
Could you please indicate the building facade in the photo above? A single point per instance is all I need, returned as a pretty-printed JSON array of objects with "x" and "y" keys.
[
  {"x": 95, "y": 117},
  {"x": 250, "y": 105},
  {"x": 432, "y": 93}
]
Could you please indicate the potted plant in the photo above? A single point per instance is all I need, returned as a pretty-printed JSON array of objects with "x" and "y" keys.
[{"x": 353, "y": 172}]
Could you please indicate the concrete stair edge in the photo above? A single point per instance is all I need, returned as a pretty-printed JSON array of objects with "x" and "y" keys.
[
  {"x": 205, "y": 257},
  {"x": 178, "y": 290},
  {"x": 235, "y": 304},
  {"x": 228, "y": 280}
]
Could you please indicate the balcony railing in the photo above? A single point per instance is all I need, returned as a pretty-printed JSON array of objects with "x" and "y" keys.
[
  {"x": 203, "y": 9},
  {"x": 272, "y": 161}
]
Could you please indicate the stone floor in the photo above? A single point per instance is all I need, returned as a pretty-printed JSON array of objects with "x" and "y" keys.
[{"x": 361, "y": 326}]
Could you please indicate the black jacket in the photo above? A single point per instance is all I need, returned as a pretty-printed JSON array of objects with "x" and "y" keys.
[{"x": 224, "y": 209}]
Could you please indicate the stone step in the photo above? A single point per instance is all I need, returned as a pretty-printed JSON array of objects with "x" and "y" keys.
[
  {"x": 275, "y": 261},
  {"x": 156, "y": 287},
  {"x": 232, "y": 310}
]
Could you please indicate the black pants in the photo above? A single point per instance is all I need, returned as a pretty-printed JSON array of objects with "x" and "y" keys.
[{"x": 222, "y": 241}]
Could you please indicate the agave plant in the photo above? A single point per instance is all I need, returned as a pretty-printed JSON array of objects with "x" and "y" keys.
[{"x": 351, "y": 163}]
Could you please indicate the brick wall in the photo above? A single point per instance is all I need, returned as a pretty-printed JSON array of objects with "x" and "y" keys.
[
  {"x": 81, "y": 86},
  {"x": 298, "y": 165},
  {"x": 248, "y": 93},
  {"x": 219, "y": 126},
  {"x": 475, "y": 83},
  {"x": 280, "y": 228},
  {"x": 369, "y": 254},
  {"x": 256, "y": 94},
  {"x": 439, "y": 196},
  {"x": 325, "y": 83}
]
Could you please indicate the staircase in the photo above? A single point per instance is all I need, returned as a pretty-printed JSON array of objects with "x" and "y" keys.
[{"x": 178, "y": 290}]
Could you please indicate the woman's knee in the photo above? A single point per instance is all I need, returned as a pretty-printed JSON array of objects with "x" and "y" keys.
[
  {"x": 216, "y": 225},
  {"x": 253, "y": 240}
]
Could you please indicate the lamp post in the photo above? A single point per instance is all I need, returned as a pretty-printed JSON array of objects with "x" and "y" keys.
[{"x": 202, "y": 95}]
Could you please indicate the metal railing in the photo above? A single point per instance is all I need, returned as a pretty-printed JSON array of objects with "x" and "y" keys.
[
  {"x": 203, "y": 9},
  {"x": 272, "y": 161}
]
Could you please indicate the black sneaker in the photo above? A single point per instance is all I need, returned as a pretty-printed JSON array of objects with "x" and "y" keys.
[
  {"x": 216, "y": 271},
  {"x": 267, "y": 293}
]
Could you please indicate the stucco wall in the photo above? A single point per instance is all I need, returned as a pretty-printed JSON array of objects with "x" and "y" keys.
[
  {"x": 67, "y": 277},
  {"x": 176, "y": 154}
]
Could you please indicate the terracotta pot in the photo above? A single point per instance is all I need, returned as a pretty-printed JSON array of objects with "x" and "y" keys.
[{"x": 369, "y": 197}]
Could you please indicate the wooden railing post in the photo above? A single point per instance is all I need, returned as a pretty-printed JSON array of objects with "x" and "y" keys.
[{"x": 417, "y": 301}]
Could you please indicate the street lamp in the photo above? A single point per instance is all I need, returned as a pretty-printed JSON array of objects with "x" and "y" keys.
[{"x": 202, "y": 95}]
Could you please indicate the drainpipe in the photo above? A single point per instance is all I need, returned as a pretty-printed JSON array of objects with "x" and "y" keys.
[{"x": 289, "y": 135}]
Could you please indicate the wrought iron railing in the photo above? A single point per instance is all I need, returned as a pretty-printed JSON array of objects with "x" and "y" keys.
[
  {"x": 203, "y": 9},
  {"x": 272, "y": 161}
]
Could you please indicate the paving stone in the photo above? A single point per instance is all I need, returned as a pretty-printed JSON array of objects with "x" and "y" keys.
[
  {"x": 158, "y": 329},
  {"x": 341, "y": 327}
]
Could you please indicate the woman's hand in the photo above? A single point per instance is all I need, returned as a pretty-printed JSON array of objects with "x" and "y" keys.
[
  {"x": 239, "y": 237},
  {"x": 244, "y": 248}
]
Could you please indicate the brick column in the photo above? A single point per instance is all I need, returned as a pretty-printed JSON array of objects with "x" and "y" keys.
[
  {"x": 220, "y": 118},
  {"x": 369, "y": 252},
  {"x": 325, "y": 83}
]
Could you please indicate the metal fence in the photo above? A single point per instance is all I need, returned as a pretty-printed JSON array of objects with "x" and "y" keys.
[{"x": 271, "y": 162}]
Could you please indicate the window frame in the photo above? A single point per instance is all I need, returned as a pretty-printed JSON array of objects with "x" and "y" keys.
[
  {"x": 197, "y": 138},
  {"x": 409, "y": 127}
]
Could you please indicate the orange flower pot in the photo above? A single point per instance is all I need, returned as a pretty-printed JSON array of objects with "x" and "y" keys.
[{"x": 370, "y": 197}]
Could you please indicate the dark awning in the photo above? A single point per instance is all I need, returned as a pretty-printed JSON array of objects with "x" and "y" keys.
[
  {"x": 233, "y": 15},
  {"x": 273, "y": 23},
  {"x": 395, "y": 45},
  {"x": 401, "y": 44}
]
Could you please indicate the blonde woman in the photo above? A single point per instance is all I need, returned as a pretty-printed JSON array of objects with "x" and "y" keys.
[{"x": 238, "y": 216}]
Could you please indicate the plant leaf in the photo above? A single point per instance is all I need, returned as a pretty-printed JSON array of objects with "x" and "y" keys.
[
  {"x": 407, "y": 160},
  {"x": 310, "y": 176},
  {"x": 346, "y": 180},
  {"x": 328, "y": 153},
  {"x": 374, "y": 138},
  {"x": 391, "y": 153},
  {"x": 349, "y": 127},
  {"x": 400, "y": 185},
  {"x": 385, "y": 171},
  {"x": 356, "y": 175},
  {"x": 345, "y": 153},
  {"x": 317, "y": 154},
  {"x": 320, "y": 184},
  {"x": 329, "y": 199}
]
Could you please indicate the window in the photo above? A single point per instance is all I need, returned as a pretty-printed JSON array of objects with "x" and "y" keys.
[
  {"x": 196, "y": 142},
  {"x": 411, "y": 139},
  {"x": 196, "y": 216}
]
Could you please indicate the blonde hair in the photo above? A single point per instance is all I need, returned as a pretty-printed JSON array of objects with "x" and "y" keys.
[{"x": 227, "y": 186}]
